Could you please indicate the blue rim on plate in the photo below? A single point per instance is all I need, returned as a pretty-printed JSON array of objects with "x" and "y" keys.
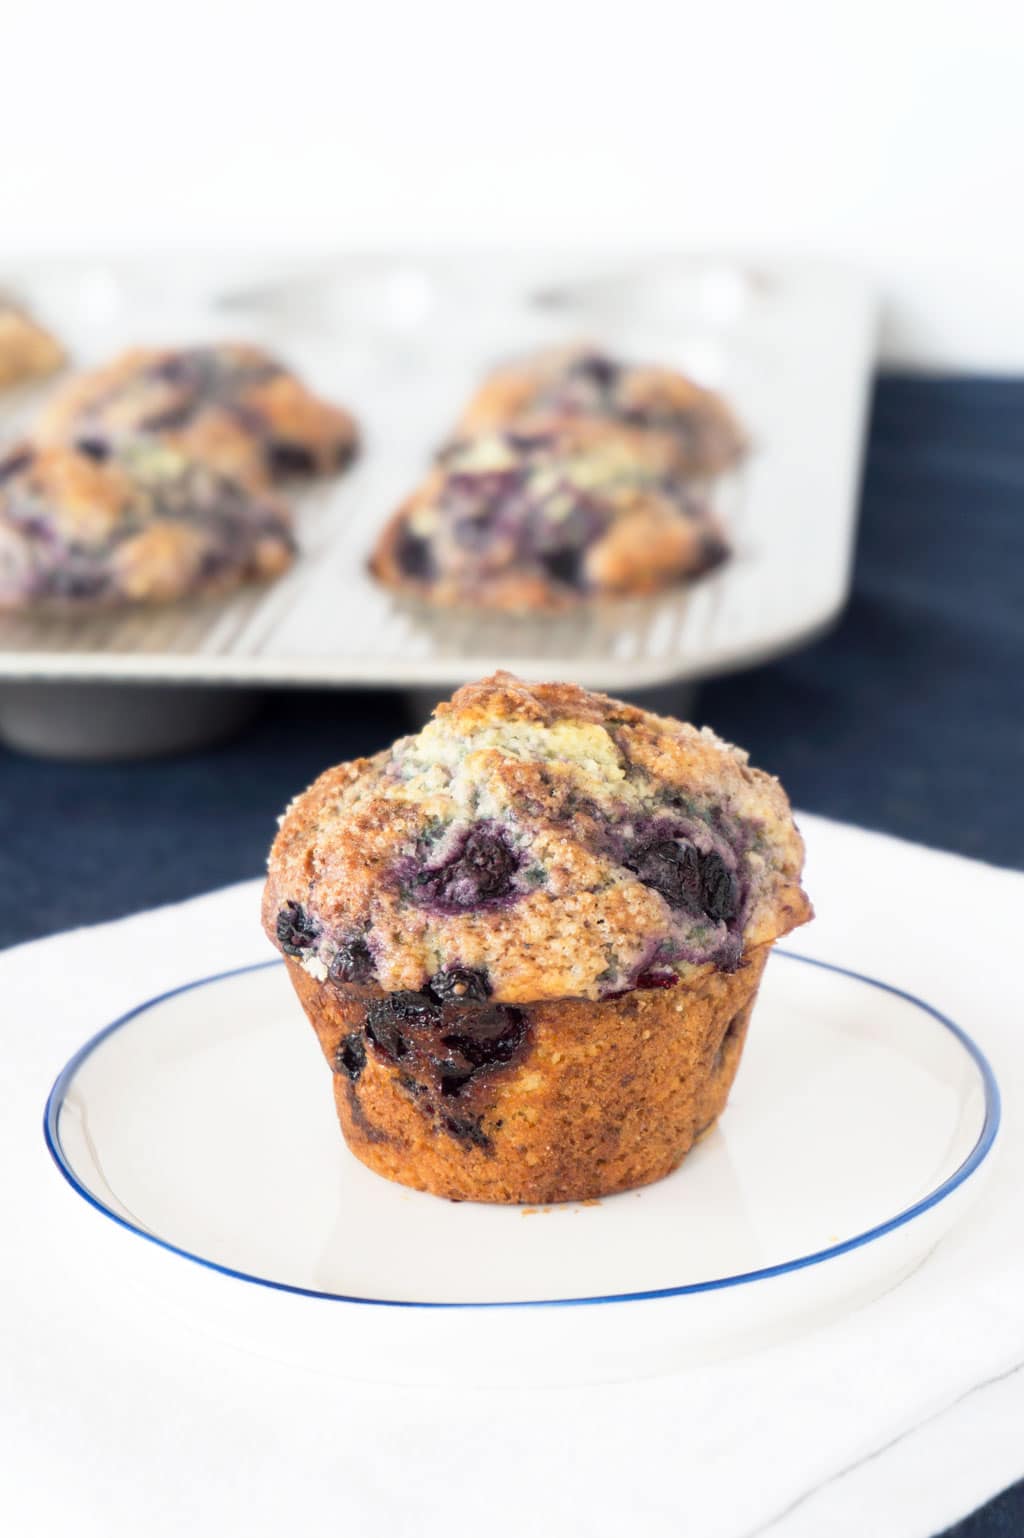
[{"x": 986, "y": 1138}]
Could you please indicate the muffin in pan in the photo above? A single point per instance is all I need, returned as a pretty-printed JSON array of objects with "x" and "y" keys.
[
  {"x": 231, "y": 404},
  {"x": 545, "y": 515},
  {"x": 145, "y": 525},
  {"x": 583, "y": 381},
  {"x": 530, "y": 938},
  {"x": 27, "y": 351}
]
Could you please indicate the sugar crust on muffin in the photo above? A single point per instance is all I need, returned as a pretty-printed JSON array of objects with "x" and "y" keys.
[
  {"x": 585, "y": 381},
  {"x": 549, "y": 513},
  {"x": 559, "y": 843},
  {"x": 145, "y": 525},
  {"x": 230, "y": 403}
]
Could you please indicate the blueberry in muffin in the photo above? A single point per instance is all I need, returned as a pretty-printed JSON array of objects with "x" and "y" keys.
[
  {"x": 231, "y": 404},
  {"x": 143, "y": 524},
  {"x": 27, "y": 351},
  {"x": 530, "y": 939},
  {"x": 540, "y": 519},
  {"x": 587, "y": 382}
]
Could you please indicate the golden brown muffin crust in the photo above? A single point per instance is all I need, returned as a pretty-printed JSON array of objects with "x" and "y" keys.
[
  {"x": 543, "y": 517},
  {"x": 555, "y": 841},
  {"x": 145, "y": 525},
  {"x": 581, "y": 380},
  {"x": 598, "y": 1098},
  {"x": 229, "y": 403}
]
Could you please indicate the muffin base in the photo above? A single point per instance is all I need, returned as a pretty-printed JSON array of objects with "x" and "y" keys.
[{"x": 604, "y": 1096}]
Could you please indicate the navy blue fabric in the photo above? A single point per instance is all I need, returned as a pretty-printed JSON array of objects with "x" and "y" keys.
[
  {"x": 907, "y": 717},
  {"x": 1002, "y": 1517}
]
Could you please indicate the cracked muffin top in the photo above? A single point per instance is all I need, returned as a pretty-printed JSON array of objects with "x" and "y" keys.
[
  {"x": 583, "y": 381},
  {"x": 542, "y": 517},
  {"x": 230, "y": 403},
  {"x": 146, "y": 525},
  {"x": 535, "y": 841}
]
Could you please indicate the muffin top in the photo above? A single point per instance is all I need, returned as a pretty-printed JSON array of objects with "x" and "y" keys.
[
  {"x": 544, "y": 515},
  {"x": 146, "y": 524},
  {"x": 535, "y": 841},
  {"x": 588, "y": 382},
  {"x": 230, "y": 403}
]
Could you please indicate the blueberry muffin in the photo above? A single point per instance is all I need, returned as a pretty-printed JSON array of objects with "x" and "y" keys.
[
  {"x": 580, "y": 381},
  {"x": 26, "y": 350},
  {"x": 539, "y": 519},
  {"x": 144, "y": 525},
  {"x": 530, "y": 938},
  {"x": 230, "y": 404}
]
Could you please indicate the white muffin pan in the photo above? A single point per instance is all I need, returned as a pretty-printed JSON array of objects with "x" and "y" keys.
[{"x": 402, "y": 340}]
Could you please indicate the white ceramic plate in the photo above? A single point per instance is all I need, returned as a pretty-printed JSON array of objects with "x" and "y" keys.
[{"x": 204, "y": 1122}]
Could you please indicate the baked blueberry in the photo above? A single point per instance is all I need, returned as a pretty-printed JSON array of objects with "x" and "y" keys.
[
  {"x": 391, "y": 1021},
  {"x": 353, "y": 962},
  {"x": 291, "y": 459},
  {"x": 460, "y": 985},
  {"x": 492, "y": 1036},
  {"x": 565, "y": 566},
  {"x": 467, "y": 1129},
  {"x": 350, "y": 1058},
  {"x": 596, "y": 369},
  {"x": 718, "y": 894},
  {"x": 657, "y": 980},
  {"x": 669, "y": 865},
  {"x": 19, "y": 459},
  {"x": 481, "y": 872},
  {"x": 454, "y": 1080},
  {"x": 684, "y": 875},
  {"x": 296, "y": 931},
  {"x": 414, "y": 556}
]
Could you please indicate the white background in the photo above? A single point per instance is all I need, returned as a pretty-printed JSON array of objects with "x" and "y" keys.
[{"x": 887, "y": 133}]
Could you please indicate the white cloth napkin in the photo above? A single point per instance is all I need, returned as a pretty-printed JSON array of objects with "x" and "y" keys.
[{"x": 894, "y": 1421}]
